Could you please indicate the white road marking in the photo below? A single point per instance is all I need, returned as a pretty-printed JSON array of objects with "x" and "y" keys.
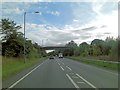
[
  {"x": 61, "y": 68},
  {"x": 76, "y": 86},
  {"x": 24, "y": 77},
  {"x": 86, "y": 81},
  {"x": 69, "y": 68},
  {"x": 81, "y": 82}
]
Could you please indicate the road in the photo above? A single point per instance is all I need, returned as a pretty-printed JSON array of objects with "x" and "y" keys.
[{"x": 63, "y": 73}]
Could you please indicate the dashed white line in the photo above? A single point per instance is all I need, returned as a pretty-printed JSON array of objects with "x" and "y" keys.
[
  {"x": 86, "y": 81},
  {"x": 81, "y": 82},
  {"x": 76, "y": 86},
  {"x": 24, "y": 77},
  {"x": 69, "y": 68},
  {"x": 61, "y": 68}
]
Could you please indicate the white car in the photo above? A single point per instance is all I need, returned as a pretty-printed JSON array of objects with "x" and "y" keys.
[{"x": 60, "y": 55}]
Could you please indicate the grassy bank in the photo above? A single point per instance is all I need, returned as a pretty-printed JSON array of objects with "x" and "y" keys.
[
  {"x": 107, "y": 58},
  {"x": 12, "y": 66},
  {"x": 112, "y": 66}
]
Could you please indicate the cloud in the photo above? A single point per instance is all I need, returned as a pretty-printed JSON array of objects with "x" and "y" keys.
[
  {"x": 38, "y": 33},
  {"x": 54, "y": 36},
  {"x": 90, "y": 28},
  {"x": 97, "y": 6},
  {"x": 101, "y": 28},
  {"x": 75, "y": 20},
  {"x": 88, "y": 23},
  {"x": 11, "y": 11},
  {"x": 53, "y": 13}
]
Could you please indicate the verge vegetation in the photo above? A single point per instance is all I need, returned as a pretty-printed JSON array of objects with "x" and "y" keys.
[
  {"x": 12, "y": 40},
  {"x": 111, "y": 66}
]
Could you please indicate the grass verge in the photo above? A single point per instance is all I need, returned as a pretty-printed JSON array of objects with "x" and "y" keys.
[
  {"x": 12, "y": 66},
  {"x": 111, "y": 66}
]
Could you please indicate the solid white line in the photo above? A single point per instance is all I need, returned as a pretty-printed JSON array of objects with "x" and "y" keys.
[
  {"x": 76, "y": 86},
  {"x": 69, "y": 68},
  {"x": 62, "y": 68},
  {"x": 86, "y": 81},
  {"x": 24, "y": 76}
]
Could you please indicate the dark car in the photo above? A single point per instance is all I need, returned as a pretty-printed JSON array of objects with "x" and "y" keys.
[{"x": 51, "y": 57}]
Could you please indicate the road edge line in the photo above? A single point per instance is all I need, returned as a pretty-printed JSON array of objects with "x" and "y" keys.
[{"x": 14, "y": 84}]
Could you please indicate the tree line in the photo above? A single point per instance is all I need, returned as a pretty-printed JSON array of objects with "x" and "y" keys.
[
  {"x": 109, "y": 47},
  {"x": 13, "y": 41},
  {"x": 13, "y": 45}
]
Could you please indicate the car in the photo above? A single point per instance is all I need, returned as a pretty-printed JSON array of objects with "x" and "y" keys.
[
  {"x": 51, "y": 57},
  {"x": 60, "y": 55}
]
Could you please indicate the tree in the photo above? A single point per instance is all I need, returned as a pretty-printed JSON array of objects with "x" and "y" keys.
[
  {"x": 115, "y": 50},
  {"x": 11, "y": 39},
  {"x": 71, "y": 45},
  {"x": 9, "y": 29},
  {"x": 96, "y": 41}
]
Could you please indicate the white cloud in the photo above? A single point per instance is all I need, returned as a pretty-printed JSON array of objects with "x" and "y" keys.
[
  {"x": 97, "y": 6},
  {"x": 111, "y": 23},
  {"x": 15, "y": 11},
  {"x": 53, "y": 13},
  {"x": 50, "y": 34},
  {"x": 100, "y": 28},
  {"x": 75, "y": 20}
]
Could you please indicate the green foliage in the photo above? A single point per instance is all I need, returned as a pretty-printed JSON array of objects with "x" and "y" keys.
[
  {"x": 112, "y": 66},
  {"x": 110, "y": 47},
  {"x": 71, "y": 44},
  {"x": 13, "y": 41},
  {"x": 96, "y": 41},
  {"x": 14, "y": 65},
  {"x": 70, "y": 51}
]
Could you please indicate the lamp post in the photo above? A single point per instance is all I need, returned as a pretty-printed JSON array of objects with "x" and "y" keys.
[
  {"x": 24, "y": 30},
  {"x": 43, "y": 40}
]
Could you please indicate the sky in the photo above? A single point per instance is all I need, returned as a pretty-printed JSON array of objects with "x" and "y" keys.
[{"x": 57, "y": 23}]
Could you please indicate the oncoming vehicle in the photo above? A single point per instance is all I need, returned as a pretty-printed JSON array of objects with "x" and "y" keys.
[
  {"x": 60, "y": 55},
  {"x": 51, "y": 57}
]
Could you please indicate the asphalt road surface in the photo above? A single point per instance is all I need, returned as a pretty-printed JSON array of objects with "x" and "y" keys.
[{"x": 63, "y": 73}]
